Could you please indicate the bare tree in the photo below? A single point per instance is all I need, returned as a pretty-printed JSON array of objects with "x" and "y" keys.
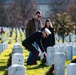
[
  {"x": 25, "y": 9},
  {"x": 58, "y": 6},
  {"x": 19, "y": 11},
  {"x": 72, "y": 10},
  {"x": 2, "y": 13},
  {"x": 11, "y": 16}
]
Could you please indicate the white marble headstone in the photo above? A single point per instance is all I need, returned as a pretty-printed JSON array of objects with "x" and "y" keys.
[
  {"x": 10, "y": 40},
  {"x": 17, "y": 70},
  {"x": 71, "y": 69},
  {"x": 68, "y": 50},
  {"x": 18, "y": 58},
  {"x": 17, "y": 49},
  {"x": 3, "y": 46},
  {"x": 59, "y": 63},
  {"x": 74, "y": 50},
  {"x": 50, "y": 56},
  {"x": 0, "y": 48},
  {"x": 62, "y": 48},
  {"x": 6, "y": 45},
  {"x": 66, "y": 38},
  {"x": 56, "y": 47}
]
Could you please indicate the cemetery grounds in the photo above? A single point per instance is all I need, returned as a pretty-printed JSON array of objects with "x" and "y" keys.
[{"x": 30, "y": 70}]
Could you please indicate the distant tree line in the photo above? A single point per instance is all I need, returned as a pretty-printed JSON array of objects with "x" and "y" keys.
[
  {"x": 17, "y": 12},
  {"x": 63, "y": 16}
]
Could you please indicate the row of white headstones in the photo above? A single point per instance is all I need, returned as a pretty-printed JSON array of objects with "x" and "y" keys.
[
  {"x": 17, "y": 65},
  {"x": 3, "y": 46},
  {"x": 7, "y": 30},
  {"x": 55, "y": 55},
  {"x": 17, "y": 39},
  {"x": 58, "y": 55},
  {"x": 70, "y": 37}
]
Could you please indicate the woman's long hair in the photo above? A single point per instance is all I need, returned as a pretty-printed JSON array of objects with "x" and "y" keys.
[{"x": 48, "y": 20}]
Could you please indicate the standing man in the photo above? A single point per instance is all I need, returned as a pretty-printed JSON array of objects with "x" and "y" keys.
[
  {"x": 34, "y": 24},
  {"x": 28, "y": 43}
]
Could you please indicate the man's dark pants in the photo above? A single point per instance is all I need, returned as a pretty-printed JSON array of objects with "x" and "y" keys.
[{"x": 32, "y": 59}]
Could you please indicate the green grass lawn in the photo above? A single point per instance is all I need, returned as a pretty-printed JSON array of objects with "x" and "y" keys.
[
  {"x": 4, "y": 58},
  {"x": 30, "y": 70},
  {"x": 35, "y": 69}
]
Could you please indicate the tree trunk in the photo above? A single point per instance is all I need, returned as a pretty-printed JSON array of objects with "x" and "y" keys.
[
  {"x": 69, "y": 38},
  {"x": 62, "y": 39}
]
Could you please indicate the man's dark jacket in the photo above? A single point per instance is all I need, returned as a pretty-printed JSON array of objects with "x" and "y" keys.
[
  {"x": 35, "y": 37},
  {"x": 31, "y": 27}
]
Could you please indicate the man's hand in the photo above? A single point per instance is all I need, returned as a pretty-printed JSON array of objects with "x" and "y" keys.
[{"x": 45, "y": 54}]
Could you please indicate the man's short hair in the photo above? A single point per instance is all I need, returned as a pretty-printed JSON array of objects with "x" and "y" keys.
[{"x": 38, "y": 12}]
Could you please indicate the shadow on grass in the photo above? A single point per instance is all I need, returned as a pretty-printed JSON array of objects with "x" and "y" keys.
[
  {"x": 2, "y": 68},
  {"x": 36, "y": 67}
]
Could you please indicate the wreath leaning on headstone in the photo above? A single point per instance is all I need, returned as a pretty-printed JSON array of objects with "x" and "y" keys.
[{"x": 51, "y": 70}]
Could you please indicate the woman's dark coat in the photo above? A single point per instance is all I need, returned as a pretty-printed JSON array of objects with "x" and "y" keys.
[{"x": 50, "y": 40}]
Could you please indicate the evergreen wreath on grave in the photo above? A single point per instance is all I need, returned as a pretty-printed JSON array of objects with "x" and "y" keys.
[
  {"x": 43, "y": 61},
  {"x": 51, "y": 70}
]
